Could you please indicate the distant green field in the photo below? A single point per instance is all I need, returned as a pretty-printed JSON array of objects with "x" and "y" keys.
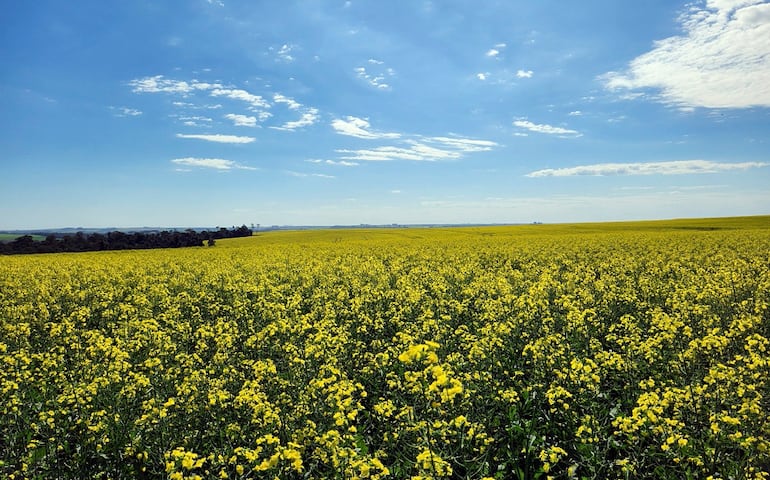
[{"x": 9, "y": 237}]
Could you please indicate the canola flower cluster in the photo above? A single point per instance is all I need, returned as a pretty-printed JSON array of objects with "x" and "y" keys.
[{"x": 415, "y": 354}]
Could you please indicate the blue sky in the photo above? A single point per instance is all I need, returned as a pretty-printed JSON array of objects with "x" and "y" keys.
[{"x": 220, "y": 113}]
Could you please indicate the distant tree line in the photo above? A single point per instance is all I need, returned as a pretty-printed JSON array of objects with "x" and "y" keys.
[{"x": 88, "y": 242}]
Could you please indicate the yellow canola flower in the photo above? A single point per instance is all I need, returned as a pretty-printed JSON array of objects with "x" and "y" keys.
[{"x": 421, "y": 352}]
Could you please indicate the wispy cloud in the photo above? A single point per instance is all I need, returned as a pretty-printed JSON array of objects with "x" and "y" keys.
[
  {"x": 293, "y": 105},
  {"x": 575, "y": 113},
  {"x": 284, "y": 52},
  {"x": 524, "y": 73},
  {"x": 126, "y": 112},
  {"x": 213, "y": 163},
  {"x": 309, "y": 117},
  {"x": 302, "y": 174},
  {"x": 547, "y": 129},
  {"x": 340, "y": 163},
  {"x": 160, "y": 84},
  {"x": 242, "y": 120},
  {"x": 496, "y": 50},
  {"x": 721, "y": 61},
  {"x": 377, "y": 76},
  {"x": 192, "y": 120},
  {"x": 255, "y": 101},
  {"x": 482, "y": 75},
  {"x": 218, "y": 138},
  {"x": 676, "y": 167},
  {"x": 416, "y": 148},
  {"x": 194, "y": 106},
  {"x": 417, "y": 152},
  {"x": 258, "y": 105},
  {"x": 464, "y": 144},
  {"x": 359, "y": 128}
]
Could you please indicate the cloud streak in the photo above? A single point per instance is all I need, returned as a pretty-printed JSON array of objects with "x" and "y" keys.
[
  {"x": 546, "y": 129},
  {"x": 677, "y": 167},
  {"x": 341, "y": 163},
  {"x": 218, "y": 138},
  {"x": 255, "y": 101},
  {"x": 212, "y": 163},
  {"x": 416, "y": 148},
  {"x": 376, "y": 80},
  {"x": 160, "y": 84},
  {"x": 242, "y": 120},
  {"x": 722, "y": 59},
  {"x": 289, "y": 102},
  {"x": 416, "y": 152},
  {"x": 465, "y": 145},
  {"x": 304, "y": 175},
  {"x": 359, "y": 128},
  {"x": 307, "y": 119},
  {"x": 126, "y": 112},
  {"x": 421, "y": 151}
]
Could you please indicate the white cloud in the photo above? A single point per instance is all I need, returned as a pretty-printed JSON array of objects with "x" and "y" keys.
[
  {"x": 218, "y": 138},
  {"x": 524, "y": 73},
  {"x": 547, "y": 129},
  {"x": 482, "y": 76},
  {"x": 301, "y": 174},
  {"x": 284, "y": 53},
  {"x": 677, "y": 167},
  {"x": 377, "y": 80},
  {"x": 492, "y": 52},
  {"x": 160, "y": 84},
  {"x": 308, "y": 118},
  {"x": 416, "y": 152},
  {"x": 340, "y": 163},
  {"x": 359, "y": 128},
  {"x": 126, "y": 112},
  {"x": 242, "y": 120},
  {"x": 722, "y": 59},
  {"x": 419, "y": 148},
  {"x": 575, "y": 113},
  {"x": 196, "y": 107},
  {"x": 375, "y": 62},
  {"x": 214, "y": 163},
  {"x": 255, "y": 101},
  {"x": 192, "y": 121},
  {"x": 278, "y": 98},
  {"x": 464, "y": 144}
]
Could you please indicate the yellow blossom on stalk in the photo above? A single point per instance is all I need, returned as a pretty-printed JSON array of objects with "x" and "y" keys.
[
  {"x": 431, "y": 463},
  {"x": 423, "y": 351}
]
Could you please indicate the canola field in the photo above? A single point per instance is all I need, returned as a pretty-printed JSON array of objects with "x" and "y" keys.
[{"x": 637, "y": 350}]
